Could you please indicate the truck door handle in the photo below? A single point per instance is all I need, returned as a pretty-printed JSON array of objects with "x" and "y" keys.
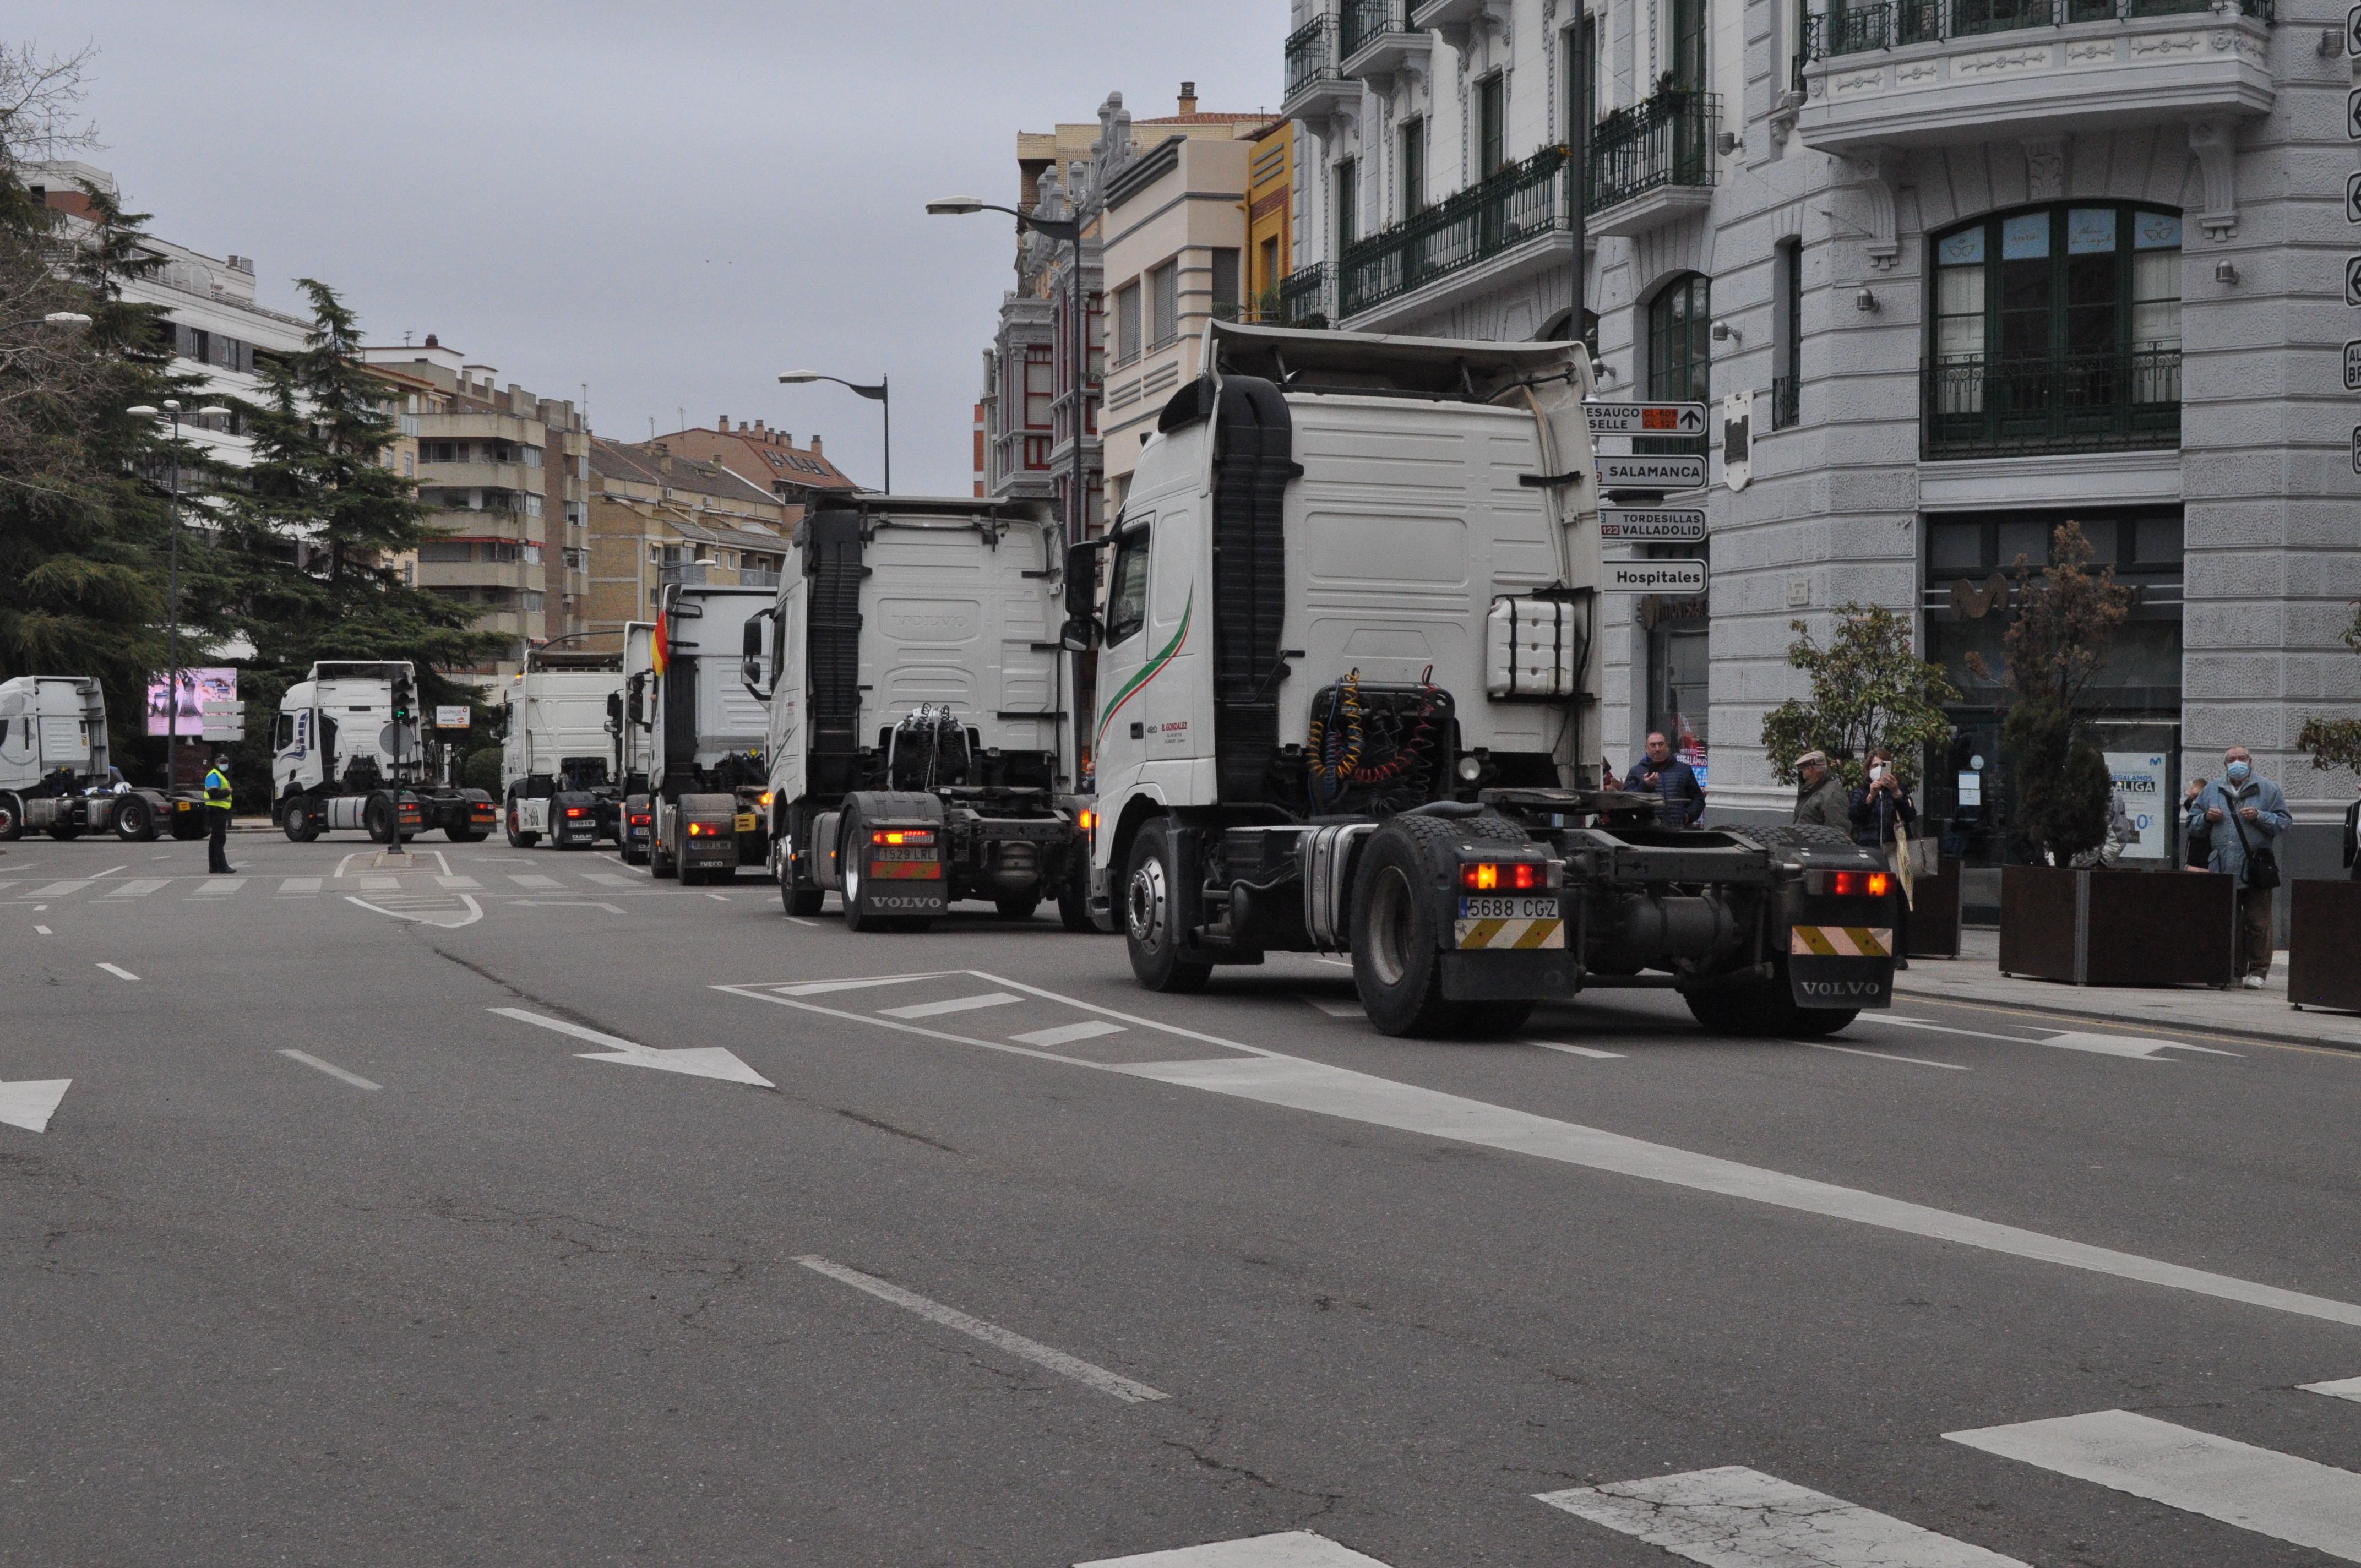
[{"x": 1138, "y": 732}]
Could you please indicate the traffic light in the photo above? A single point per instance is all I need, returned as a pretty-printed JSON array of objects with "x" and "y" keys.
[{"x": 402, "y": 698}]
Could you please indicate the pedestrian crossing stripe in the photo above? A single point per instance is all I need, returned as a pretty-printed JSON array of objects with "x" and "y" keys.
[
  {"x": 1841, "y": 941},
  {"x": 1523, "y": 933},
  {"x": 1738, "y": 1518}
]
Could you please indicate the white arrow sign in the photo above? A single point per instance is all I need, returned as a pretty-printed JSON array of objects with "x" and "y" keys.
[
  {"x": 1676, "y": 471},
  {"x": 1645, "y": 419},
  {"x": 1653, "y": 525},
  {"x": 31, "y": 1102},
  {"x": 697, "y": 1061},
  {"x": 1655, "y": 576}
]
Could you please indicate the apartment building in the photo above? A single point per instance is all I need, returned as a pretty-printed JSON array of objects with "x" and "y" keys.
[
  {"x": 505, "y": 474},
  {"x": 1178, "y": 238},
  {"x": 767, "y": 459},
  {"x": 658, "y": 516},
  {"x": 1938, "y": 266}
]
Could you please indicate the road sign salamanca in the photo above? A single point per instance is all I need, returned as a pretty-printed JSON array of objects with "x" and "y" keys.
[{"x": 1677, "y": 471}]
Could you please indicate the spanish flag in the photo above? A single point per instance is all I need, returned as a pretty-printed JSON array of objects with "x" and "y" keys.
[{"x": 658, "y": 652}]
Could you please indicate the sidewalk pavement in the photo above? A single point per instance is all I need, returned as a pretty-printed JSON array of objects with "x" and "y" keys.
[{"x": 1974, "y": 977}]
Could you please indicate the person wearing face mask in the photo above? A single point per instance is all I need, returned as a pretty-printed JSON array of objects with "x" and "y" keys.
[
  {"x": 2245, "y": 816},
  {"x": 1882, "y": 818}
]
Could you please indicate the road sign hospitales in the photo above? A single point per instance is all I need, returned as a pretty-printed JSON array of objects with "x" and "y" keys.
[
  {"x": 1655, "y": 576},
  {"x": 1645, "y": 419}
]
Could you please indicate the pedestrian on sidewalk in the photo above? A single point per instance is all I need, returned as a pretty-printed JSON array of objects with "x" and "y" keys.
[
  {"x": 2197, "y": 845},
  {"x": 1883, "y": 816},
  {"x": 1672, "y": 782},
  {"x": 217, "y": 808},
  {"x": 2246, "y": 814},
  {"x": 1820, "y": 799}
]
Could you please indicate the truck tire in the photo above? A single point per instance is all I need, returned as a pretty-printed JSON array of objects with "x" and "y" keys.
[
  {"x": 849, "y": 834},
  {"x": 467, "y": 835},
  {"x": 1074, "y": 898},
  {"x": 801, "y": 902},
  {"x": 1150, "y": 878},
  {"x": 135, "y": 819},
  {"x": 1017, "y": 905},
  {"x": 1809, "y": 835},
  {"x": 12, "y": 818},
  {"x": 381, "y": 818},
  {"x": 660, "y": 865},
  {"x": 63, "y": 831},
  {"x": 1397, "y": 952}
]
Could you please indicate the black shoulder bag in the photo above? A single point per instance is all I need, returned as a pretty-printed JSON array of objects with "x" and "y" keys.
[{"x": 2263, "y": 864}]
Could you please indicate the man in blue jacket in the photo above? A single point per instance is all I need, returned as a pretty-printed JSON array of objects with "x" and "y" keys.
[
  {"x": 2243, "y": 813},
  {"x": 1670, "y": 781}
]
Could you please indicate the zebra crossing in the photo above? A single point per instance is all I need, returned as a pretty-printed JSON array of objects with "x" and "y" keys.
[
  {"x": 1734, "y": 1515},
  {"x": 376, "y": 885}
]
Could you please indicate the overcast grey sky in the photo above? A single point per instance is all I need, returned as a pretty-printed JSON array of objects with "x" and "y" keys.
[{"x": 672, "y": 202}]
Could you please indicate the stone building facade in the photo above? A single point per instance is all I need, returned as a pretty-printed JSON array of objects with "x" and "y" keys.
[
  {"x": 1948, "y": 273},
  {"x": 659, "y": 516}
]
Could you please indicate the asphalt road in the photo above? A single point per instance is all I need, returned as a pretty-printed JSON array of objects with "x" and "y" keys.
[{"x": 373, "y": 1227}]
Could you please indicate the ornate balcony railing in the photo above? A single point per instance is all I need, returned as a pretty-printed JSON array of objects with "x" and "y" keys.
[
  {"x": 1666, "y": 140},
  {"x": 1311, "y": 55},
  {"x": 1303, "y": 297},
  {"x": 2089, "y": 402},
  {"x": 1521, "y": 201},
  {"x": 1888, "y": 24},
  {"x": 1362, "y": 20}
]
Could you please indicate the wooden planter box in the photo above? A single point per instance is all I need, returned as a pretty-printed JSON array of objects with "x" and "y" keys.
[
  {"x": 1934, "y": 929},
  {"x": 2325, "y": 943},
  {"x": 2101, "y": 928}
]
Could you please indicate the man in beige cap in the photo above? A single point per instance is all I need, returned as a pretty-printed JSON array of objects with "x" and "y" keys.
[{"x": 1820, "y": 795}]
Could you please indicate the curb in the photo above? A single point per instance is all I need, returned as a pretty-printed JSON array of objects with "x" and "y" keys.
[{"x": 2282, "y": 1037}]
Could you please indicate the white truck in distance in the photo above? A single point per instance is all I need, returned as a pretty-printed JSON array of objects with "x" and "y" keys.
[
  {"x": 54, "y": 772},
  {"x": 561, "y": 774},
  {"x": 346, "y": 753},
  {"x": 920, "y": 739},
  {"x": 1349, "y": 700},
  {"x": 706, "y": 776},
  {"x": 633, "y": 717}
]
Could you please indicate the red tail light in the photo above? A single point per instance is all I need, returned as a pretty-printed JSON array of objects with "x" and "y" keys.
[
  {"x": 1489, "y": 876},
  {"x": 640, "y": 820},
  {"x": 1856, "y": 884},
  {"x": 575, "y": 811},
  {"x": 902, "y": 836}
]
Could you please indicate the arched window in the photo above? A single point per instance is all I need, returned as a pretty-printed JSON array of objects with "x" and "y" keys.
[
  {"x": 1680, "y": 320},
  {"x": 2056, "y": 328}
]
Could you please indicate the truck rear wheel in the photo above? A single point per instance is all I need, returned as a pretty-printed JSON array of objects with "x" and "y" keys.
[
  {"x": 12, "y": 818},
  {"x": 1017, "y": 906},
  {"x": 135, "y": 819},
  {"x": 378, "y": 820},
  {"x": 801, "y": 902},
  {"x": 1397, "y": 952},
  {"x": 518, "y": 837},
  {"x": 1151, "y": 879},
  {"x": 62, "y": 831}
]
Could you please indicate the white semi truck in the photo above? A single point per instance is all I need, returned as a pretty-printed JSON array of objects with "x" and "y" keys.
[
  {"x": 54, "y": 772},
  {"x": 561, "y": 768},
  {"x": 705, "y": 728},
  {"x": 1348, "y": 700},
  {"x": 346, "y": 755},
  {"x": 631, "y": 717},
  {"x": 920, "y": 740}
]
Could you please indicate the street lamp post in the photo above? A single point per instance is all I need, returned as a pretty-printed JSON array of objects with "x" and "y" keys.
[
  {"x": 172, "y": 591},
  {"x": 878, "y": 394},
  {"x": 1069, "y": 230}
]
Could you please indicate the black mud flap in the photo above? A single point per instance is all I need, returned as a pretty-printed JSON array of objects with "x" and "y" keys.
[
  {"x": 1542, "y": 975},
  {"x": 1816, "y": 981}
]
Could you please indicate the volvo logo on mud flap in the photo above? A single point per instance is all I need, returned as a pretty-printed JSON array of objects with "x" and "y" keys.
[
  {"x": 892, "y": 901},
  {"x": 1842, "y": 990}
]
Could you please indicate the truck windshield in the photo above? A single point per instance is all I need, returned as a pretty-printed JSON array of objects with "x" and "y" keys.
[{"x": 1127, "y": 586}]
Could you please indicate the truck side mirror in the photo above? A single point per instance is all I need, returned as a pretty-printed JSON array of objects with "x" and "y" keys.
[
  {"x": 1083, "y": 579},
  {"x": 614, "y": 713},
  {"x": 750, "y": 668}
]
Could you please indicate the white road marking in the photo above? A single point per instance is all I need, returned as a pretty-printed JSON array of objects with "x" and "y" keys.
[
  {"x": 722, "y": 896},
  {"x": 118, "y": 972},
  {"x": 1067, "y": 1034},
  {"x": 475, "y": 912},
  {"x": 299, "y": 885},
  {"x": 1269, "y": 1078},
  {"x": 2259, "y": 1489},
  {"x": 139, "y": 888},
  {"x": 1335, "y": 1009},
  {"x": 815, "y": 987},
  {"x": 58, "y": 889},
  {"x": 697, "y": 1061},
  {"x": 30, "y": 1102},
  {"x": 613, "y": 879},
  {"x": 108, "y": 871},
  {"x": 330, "y": 1069},
  {"x": 528, "y": 879},
  {"x": 381, "y": 884},
  {"x": 799, "y": 920},
  {"x": 1882, "y": 1056},
  {"x": 348, "y": 860},
  {"x": 459, "y": 883},
  {"x": 219, "y": 887},
  {"x": 1015, "y": 1345},
  {"x": 956, "y": 1004},
  {"x": 563, "y": 904},
  {"x": 1593, "y": 1052},
  {"x": 1294, "y": 1548},
  {"x": 45, "y": 931},
  {"x": 2134, "y": 1046},
  {"x": 2344, "y": 1388},
  {"x": 1737, "y": 1518}
]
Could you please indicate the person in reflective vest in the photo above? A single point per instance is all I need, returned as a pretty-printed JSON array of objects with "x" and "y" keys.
[{"x": 217, "y": 808}]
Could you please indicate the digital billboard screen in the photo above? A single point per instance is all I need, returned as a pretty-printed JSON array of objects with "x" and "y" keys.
[{"x": 197, "y": 688}]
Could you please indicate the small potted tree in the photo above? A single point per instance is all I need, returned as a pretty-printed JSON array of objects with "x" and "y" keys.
[
  {"x": 2324, "y": 914},
  {"x": 1870, "y": 688},
  {"x": 2060, "y": 920}
]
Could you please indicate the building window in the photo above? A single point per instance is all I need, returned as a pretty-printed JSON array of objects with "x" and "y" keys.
[
  {"x": 1348, "y": 203},
  {"x": 1412, "y": 164},
  {"x": 1688, "y": 46},
  {"x": 1582, "y": 107},
  {"x": 2056, "y": 329},
  {"x": 1267, "y": 272},
  {"x": 1787, "y": 334},
  {"x": 1164, "y": 304},
  {"x": 1679, "y": 347},
  {"x": 1126, "y": 324},
  {"x": 1036, "y": 452},
  {"x": 1225, "y": 284},
  {"x": 1491, "y": 124},
  {"x": 1041, "y": 386}
]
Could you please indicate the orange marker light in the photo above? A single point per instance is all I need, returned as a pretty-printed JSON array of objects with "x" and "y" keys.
[
  {"x": 1089, "y": 820},
  {"x": 1879, "y": 882},
  {"x": 1481, "y": 875}
]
